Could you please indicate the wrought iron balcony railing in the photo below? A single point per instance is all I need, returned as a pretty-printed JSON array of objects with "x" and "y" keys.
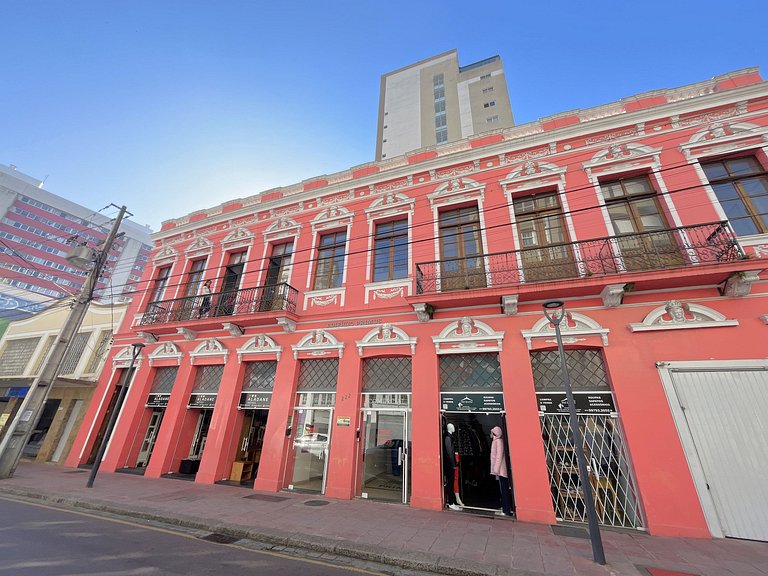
[
  {"x": 227, "y": 303},
  {"x": 664, "y": 249}
]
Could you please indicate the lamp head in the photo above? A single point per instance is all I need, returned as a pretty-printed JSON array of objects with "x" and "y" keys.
[{"x": 554, "y": 310}]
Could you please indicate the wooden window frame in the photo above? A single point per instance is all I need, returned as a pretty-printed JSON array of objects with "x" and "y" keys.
[
  {"x": 390, "y": 237},
  {"x": 760, "y": 220}
]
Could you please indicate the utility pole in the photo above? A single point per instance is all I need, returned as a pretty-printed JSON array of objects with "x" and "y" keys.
[{"x": 31, "y": 408}]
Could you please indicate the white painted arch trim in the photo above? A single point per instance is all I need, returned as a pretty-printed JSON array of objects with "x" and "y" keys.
[
  {"x": 466, "y": 336},
  {"x": 200, "y": 245},
  {"x": 209, "y": 348},
  {"x": 456, "y": 190},
  {"x": 166, "y": 255},
  {"x": 166, "y": 351},
  {"x": 724, "y": 137},
  {"x": 584, "y": 326},
  {"x": 704, "y": 318},
  {"x": 386, "y": 335},
  {"x": 123, "y": 358},
  {"x": 259, "y": 345},
  {"x": 239, "y": 236},
  {"x": 282, "y": 228},
  {"x": 318, "y": 343}
]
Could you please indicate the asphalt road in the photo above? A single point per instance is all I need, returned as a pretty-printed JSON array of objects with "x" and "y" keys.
[{"x": 37, "y": 540}]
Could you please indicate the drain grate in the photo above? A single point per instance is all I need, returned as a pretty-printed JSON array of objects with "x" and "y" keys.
[
  {"x": 316, "y": 502},
  {"x": 219, "y": 538},
  {"x": 266, "y": 498},
  {"x": 571, "y": 531}
]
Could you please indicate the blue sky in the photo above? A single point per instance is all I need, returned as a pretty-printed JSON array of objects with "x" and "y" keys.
[{"x": 173, "y": 106}]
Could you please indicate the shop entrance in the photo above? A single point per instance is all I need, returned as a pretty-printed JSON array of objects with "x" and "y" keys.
[
  {"x": 246, "y": 462},
  {"x": 385, "y": 443},
  {"x": 309, "y": 454},
  {"x": 145, "y": 452},
  {"x": 476, "y": 487}
]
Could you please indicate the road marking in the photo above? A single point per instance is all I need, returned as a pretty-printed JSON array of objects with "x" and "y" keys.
[{"x": 190, "y": 536}]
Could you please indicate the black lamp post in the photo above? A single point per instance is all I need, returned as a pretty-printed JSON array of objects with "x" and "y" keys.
[
  {"x": 554, "y": 310},
  {"x": 113, "y": 418}
]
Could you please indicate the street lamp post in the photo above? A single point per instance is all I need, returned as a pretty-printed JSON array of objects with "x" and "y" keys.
[
  {"x": 113, "y": 418},
  {"x": 554, "y": 310}
]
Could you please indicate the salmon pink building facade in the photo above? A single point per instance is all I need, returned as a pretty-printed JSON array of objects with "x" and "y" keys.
[{"x": 363, "y": 332}]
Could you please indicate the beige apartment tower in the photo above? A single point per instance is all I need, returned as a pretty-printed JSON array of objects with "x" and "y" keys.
[{"x": 437, "y": 101}]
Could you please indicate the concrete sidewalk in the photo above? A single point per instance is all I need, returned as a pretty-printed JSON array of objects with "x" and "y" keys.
[{"x": 441, "y": 542}]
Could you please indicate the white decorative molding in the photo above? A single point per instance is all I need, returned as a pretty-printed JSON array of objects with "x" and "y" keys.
[
  {"x": 209, "y": 348},
  {"x": 613, "y": 294},
  {"x": 148, "y": 337},
  {"x": 239, "y": 237},
  {"x": 764, "y": 318},
  {"x": 740, "y": 283},
  {"x": 722, "y": 137},
  {"x": 509, "y": 304},
  {"x": 166, "y": 255},
  {"x": 532, "y": 174},
  {"x": 332, "y": 217},
  {"x": 235, "y": 330},
  {"x": 456, "y": 190},
  {"x": 318, "y": 343},
  {"x": 123, "y": 358},
  {"x": 390, "y": 204},
  {"x": 166, "y": 350},
  {"x": 424, "y": 312},
  {"x": 676, "y": 315},
  {"x": 322, "y": 298},
  {"x": 281, "y": 228},
  {"x": 287, "y": 324},
  {"x": 386, "y": 335},
  {"x": 259, "y": 345},
  {"x": 187, "y": 334},
  {"x": 387, "y": 290},
  {"x": 619, "y": 157},
  {"x": 573, "y": 326},
  {"x": 467, "y": 335},
  {"x": 200, "y": 245}
]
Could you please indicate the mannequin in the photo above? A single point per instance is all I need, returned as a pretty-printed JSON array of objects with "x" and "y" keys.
[
  {"x": 449, "y": 469},
  {"x": 499, "y": 469}
]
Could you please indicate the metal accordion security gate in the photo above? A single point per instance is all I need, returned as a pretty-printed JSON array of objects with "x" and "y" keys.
[{"x": 610, "y": 473}]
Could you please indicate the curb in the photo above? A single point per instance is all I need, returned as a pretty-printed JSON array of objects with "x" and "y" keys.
[{"x": 411, "y": 560}]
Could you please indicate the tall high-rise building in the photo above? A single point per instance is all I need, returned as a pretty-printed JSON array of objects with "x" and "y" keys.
[
  {"x": 38, "y": 228},
  {"x": 437, "y": 101}
]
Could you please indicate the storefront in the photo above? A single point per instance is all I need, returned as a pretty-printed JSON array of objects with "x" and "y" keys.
[{"x": 200, "y": 408}]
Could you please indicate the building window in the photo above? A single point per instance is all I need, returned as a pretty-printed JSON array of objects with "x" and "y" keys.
[
  {"x": 74, "y": 353},
  {"x": 485, "y": 76},
  {"x": 330, "y": 260},
  {"x": 461, "y": 250},
  {"x": 101, "y": 348},
  {"x": 489, "y": 104},
  {"x": 16, "y": 356},
  {"x": 194, "y": 276},
  {"x": 43, "y": 355},
  {"x": 390, "y": 260},
  {"x": 492, "y": 120},
  {"x": 488, "y": 90},
  {"x": 161, "y": 281},
  {"x": 441, "y": 122},
  {"x": 741, "y": 186}
]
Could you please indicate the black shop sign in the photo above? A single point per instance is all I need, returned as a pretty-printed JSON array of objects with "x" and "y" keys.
[
  {"x": 202, "y": 401},
  {"x": 254, "y": 400},
  {"x": 586, "y": 402},
  {"x": 473, "y": 402},
  {"x": 158, "y": 400}
]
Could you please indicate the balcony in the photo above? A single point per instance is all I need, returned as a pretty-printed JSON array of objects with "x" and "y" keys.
[
  {"x": 645, "y": 258},
  {"x": 250, "y": 306}
]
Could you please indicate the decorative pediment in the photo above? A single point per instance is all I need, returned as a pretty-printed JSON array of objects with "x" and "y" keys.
[
  {"x": 259, "y": 345},
  {"x": 723, "y": 137},
  {"x": 238, "y": 237},
  {"x": 200, "y": 245},
  {"x": 318, "y": 343},
  {"x": 533, "y": 169},
  {"x": 467, "y": 335},
  {"x": 209, "y": 348},
  {"x": 283, "y": 227},
  {"x": 574, "y": 329},
  {"x": 456, "y": 190},
  {"x": 123, "y": 358},
  {"x": 619, "y": 157},
  {"x": 676, "y": 315},
  {"x": 165, "y": 255},
  {"x": 332, "y": 217},
  {"x": 390, "y": 204},
  {"x": 166, "y": 350},
  {"x": 386, "y": 335}
]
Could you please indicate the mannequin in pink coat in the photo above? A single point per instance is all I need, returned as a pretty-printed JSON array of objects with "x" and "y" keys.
[{"x": 499, "y": 469}]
